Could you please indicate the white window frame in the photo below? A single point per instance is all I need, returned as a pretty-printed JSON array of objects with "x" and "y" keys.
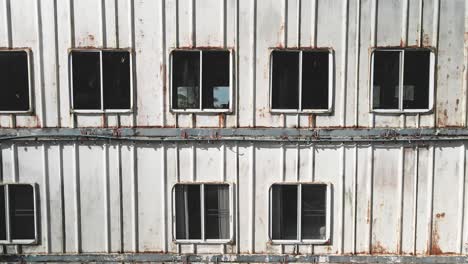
[
  {"x": 331, "y": 74},
  {"x": 299, "y": 239},
  {"x": 30, "y": 82},
  {"x": 200, "y": 109},
  {"x": 400, "y": 109},
  {"x": 203, "y": 240},
  {"x": 9, "y": 240},
  {"x": 102, "y": 110}
]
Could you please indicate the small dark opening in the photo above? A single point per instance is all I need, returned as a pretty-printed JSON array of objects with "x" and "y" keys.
[
  {"x": 215, "y": 76},
  {"x": 22, "y": 211},
  {"x": 116, "y": 79},
  {"x": 284, "y": 212},
  {"x": 86, "y": 80},
  {"x": 313, "y": 211},
  {"x": 14, "y": 88},
  {"x": 188, "y": 214},
  {"x": 416, "y": 79},
  {"x": 186, "y": 79},
  {"x": 315, "y": 80},
  {"x": 2, "y": 213},
  {"x": 285, "y": 80},
  {"x": 217, "y": 211},
  {"x": 386, "y": 79}
]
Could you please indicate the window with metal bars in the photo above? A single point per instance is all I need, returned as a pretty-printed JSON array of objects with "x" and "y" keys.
[
  {"x": 15, "y": 81},
  {"x": 301, "y": 81},
  {"x": 402, "y": 80},
  {"x": 101, "y": 81},
  {"x": 18, "y": 214},
  {"x": 300, "y": 213},
  {"x": 203, "y": 213},
  {"x": 201, "y": 80}
]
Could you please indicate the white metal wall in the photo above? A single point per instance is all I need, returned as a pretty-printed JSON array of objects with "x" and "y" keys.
[
  {"x": 392, "y": 199},
  {"x": 251, "y": 28}
]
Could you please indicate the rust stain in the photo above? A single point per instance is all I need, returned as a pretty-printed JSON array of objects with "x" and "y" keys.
[
  {"x": 311, "y": 120},
  {"x": 91, "y": 37},
  {"x": 377, "y": 248},
  {"x": 435, "y": 249},
  {"x": 402, "y": 43},
  {"x": 221, "y": 120},
  {"x": 440, "y": 215},
  {"x": 368, "y": 218}
]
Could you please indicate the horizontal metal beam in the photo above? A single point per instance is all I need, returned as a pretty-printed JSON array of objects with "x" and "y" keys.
[
  {"x": 238, "y": 134},
  {"x": 257, "y": 258}
]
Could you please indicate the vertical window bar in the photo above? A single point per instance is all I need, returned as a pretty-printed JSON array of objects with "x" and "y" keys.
[
  {"x": 187, "y": 221},
  {"x": 300, "y": 80},
  {"x": 202, "y": 208},
  {"x": 231, "y": 212},
  {"x": 299, "y": 208},
  {"x": 330, "y": 80},
  {"x": 7, "y": 214},
  {"x": 400, "y": 86},
  {"x": 101, "y": 79},
  {"x": 200, "y": 85},
  {"x": 70, "y": 69},
  {"x": 35, "y": 212}
]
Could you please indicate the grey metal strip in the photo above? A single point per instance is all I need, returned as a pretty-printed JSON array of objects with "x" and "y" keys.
[
  {"x": 238, "y": 134},
  {"x": 257, "y": 258}
]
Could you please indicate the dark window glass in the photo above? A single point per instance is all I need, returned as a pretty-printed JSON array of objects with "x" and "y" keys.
[
  {"x": 116, "y": 79},
  {"x": 386, "y": 79},
  {"x": 14, "y": 81},
  {"x": 21, "y": 199},
  {"x": 285, "y": 80},
  {"x": 416, "y": 80},
  {"x": 2, "y": 213},
  {"x": 186, "y": 79},
  {"x": 217, "y": 211},
  {"x": 284, "y": 212},
  {"x": 313, "y": 211},
  {"x": 86, "y": 80},
  {"x": 188, "y": 211},
  {"x": 315, "y": 80},
  {"x": 215, "y": 78}
]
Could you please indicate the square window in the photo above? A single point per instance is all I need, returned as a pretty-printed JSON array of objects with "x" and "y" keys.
[
  {"x": 300, "y": 213},
  {"x": 402, "y": 80},
  {"x": 201, "y": 80},
  {"x": 17, "y": 214},
  {"x": 202, "y": 213},
  {"x": 101, "y": 80},
  {"x": 15, "y": 80},
  {"x": 301, "y": 80}
]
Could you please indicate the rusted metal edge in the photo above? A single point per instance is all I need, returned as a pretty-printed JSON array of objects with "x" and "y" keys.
[
  {"x": 257, "y": 258},
  {"x": 238, "y": 134}
]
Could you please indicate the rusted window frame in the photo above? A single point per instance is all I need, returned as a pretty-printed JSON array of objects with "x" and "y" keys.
[
  {"x": 102, "y": 110},
  {"x": 331, "y": 83},
  {"x": 299, "y": 239},
  {"x": 30, "y": 82},
  {"x": 8, "y": 240},
  {"x": 203, "y": 240},
  {"x": 229, "y": 110},
  {"x": 400, "y": 109}
]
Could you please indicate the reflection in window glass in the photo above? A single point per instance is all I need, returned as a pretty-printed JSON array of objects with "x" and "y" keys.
[
  {"x": 215, "y": 71},
  {"x": 188, "y": 215},
  {"x": 284, "y": 212},
  {"x": 116, "y": 79},
  {"x": 386, "y": 79},
  {"x": 2, "y": 213},
  {"x": 313, "y": 211},
  {"x": 86, "y": 80},
  {"x": 315, "y": 78},
  {"x": 21, "y": 201},
  {"x": 14, "y": 80},
  {"x": 416, "y": 79},
  {"x": 186, "y": 79},
  {"x": 217, "y": 211},
  {"x": 285, "y": 80}
]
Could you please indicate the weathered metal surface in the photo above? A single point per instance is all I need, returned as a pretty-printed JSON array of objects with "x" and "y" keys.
[
  {"x": 105, "y": 180},
  {"x": 251, "y": 28}
]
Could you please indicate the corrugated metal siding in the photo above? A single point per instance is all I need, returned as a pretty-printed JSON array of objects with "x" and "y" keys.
[
  {"x": 252, "y": 29},
  {"x": 116, "y": 197},
  {"x": 387, "y": 198}
]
